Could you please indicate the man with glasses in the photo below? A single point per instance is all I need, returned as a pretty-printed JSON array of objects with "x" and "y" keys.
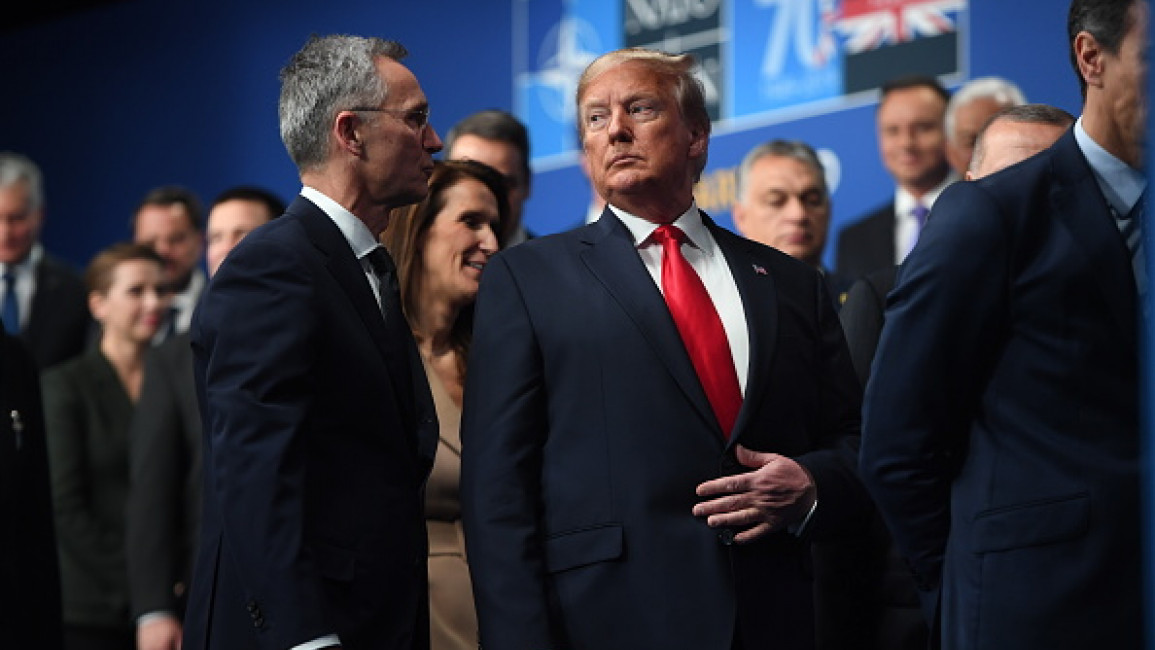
[{"x": 319, "y": 426}]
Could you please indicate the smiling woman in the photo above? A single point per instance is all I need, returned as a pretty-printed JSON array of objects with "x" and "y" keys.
[
  {"x": 88, "y": 405},
  {"x": 441, "y": 247}
]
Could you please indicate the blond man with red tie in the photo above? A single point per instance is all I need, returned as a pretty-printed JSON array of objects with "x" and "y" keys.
[{"x": 659, "y": 415}]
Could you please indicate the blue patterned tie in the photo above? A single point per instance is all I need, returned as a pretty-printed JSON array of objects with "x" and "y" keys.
[{"x": 11, "y": 309}]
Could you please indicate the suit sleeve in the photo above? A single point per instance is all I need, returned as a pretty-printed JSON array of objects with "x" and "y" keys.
[
  {"x": 943, "y": 321},
  {"x": 843, "y": 502},
  {"x": 504, "y": 429},
  {"x": 255, "y": 344},
  {"x": 97, "y": 549},
  {"x": 861, "y": 317},
  {"x": 155, "y": 502}
]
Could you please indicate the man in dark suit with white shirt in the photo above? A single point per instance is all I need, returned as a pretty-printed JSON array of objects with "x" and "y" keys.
[
  {"x": 170, "y": 219},
  {"x": 1002, "y": 438},
  {"x": 319, "y": 425},
  {"x": 912, "y": 144},
  {"x": 43, "y": 301},
  {"x": 659, "y": 415},
  {"x": 164, "y": 502}
]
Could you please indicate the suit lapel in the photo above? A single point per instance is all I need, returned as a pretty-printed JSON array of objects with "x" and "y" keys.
[
  {"x": 614, "y": 261},
  {"x": 1078, "y": 202},
  {"x": 344, "y": 267},
  {"x": 759, "y": 301}
]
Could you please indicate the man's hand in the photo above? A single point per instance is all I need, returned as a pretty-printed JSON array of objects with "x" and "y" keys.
[
  {"x": 159, "y": 633},
  {"x": 777, "y": 493}
]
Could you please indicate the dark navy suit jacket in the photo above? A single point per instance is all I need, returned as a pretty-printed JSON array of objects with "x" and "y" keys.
[
  {"x": 1001, "y": 434},
  {"x": 867, "y": 245},
  {"x": 586, "y": 431},
  {"x": 319, "y": 435},
  {"x": 59, "y": 325},
  {"x": 164, "y": 501}
]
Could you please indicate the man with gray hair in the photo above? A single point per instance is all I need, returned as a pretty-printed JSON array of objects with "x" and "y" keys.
[
  {"x": 783, "y": 201},
  {"x": 319, "y": 428},
  {"x": 969, "y": 109},
  {"x": 42, "y": 300}
]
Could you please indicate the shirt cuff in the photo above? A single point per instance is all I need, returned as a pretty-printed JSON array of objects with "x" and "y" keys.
[
  {"x": 327, "y": 641},
  {"x": 799, "y": 529},
  {"x": 154, "y": 616}
]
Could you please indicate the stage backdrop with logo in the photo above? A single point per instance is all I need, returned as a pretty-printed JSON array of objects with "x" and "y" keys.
[
  {"x": 798, "y": 69},
  {"x": 116, "y": 100}
]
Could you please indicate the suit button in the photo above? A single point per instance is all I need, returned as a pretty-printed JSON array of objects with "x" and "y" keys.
[
  {"x": 726, "y": 536},
  {"x": 259, "y": 621},
  {"x": 251, "y": 606}
]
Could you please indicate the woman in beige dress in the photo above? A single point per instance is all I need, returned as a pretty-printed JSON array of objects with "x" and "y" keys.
[{"x": 441, "y": 246}]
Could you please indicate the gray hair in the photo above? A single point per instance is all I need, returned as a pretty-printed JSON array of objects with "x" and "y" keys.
[
  {"x": 328, "y": 75},
  {"x": 1024, "y": 114},
  {"x": 795, "y": 149},
  {"x": 16, "y": 168},
  {"x": 1002, "y": 91}
]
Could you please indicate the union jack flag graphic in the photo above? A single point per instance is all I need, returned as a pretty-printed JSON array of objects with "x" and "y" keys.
[{"x": 870, "y": 24}]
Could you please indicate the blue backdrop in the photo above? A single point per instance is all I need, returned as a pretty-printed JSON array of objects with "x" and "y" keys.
[{"x": 114, "y": 101}]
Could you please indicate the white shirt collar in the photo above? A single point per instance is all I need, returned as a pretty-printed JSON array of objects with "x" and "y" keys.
[
  {"x": 1120, "y": 183},
  {"x": 904, "y": 201},
  {"x": 355, "y": 231},
  {"x": 690, "y": 223}
]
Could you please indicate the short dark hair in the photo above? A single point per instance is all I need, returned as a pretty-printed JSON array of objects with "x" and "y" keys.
[
  {"x": 1024, "y": 114},
  {"x": 173, "y": 195},
  {"x": 1106, "y": 20},
  {"x": 1034, "y": 114},
  {"x": 495, "y": 125},
  {"x": 914, "y": 81},
  {"x": 272, "y": 202}
]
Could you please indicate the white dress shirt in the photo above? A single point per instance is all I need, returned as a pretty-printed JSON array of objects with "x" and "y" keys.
[
  {"x": 702, "y": 252},
  {"x": 906, "y": 226}
]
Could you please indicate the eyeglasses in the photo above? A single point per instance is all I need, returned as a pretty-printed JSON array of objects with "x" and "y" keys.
[{"x": 418, "y": 118}]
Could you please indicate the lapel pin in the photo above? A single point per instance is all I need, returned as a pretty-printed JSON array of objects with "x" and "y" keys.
[{"x": 759, "y": 270}]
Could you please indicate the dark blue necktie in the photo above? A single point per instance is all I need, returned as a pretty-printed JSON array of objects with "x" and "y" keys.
[
  {"x": 11, "y": 308},
  {"x": 1131, "y": 227}
]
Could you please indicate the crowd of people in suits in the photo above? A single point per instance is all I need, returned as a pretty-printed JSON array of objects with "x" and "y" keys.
[{"x": 388, "y": 416}]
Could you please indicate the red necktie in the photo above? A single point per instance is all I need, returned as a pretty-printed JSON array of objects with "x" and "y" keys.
[{"x": 700, "y": 327}]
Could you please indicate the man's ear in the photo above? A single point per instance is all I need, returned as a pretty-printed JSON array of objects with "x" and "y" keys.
[
  {"x": 346, "y": 132},
  {"x": 1089, "y": 58},
  {"x": 699, "y": 139}
]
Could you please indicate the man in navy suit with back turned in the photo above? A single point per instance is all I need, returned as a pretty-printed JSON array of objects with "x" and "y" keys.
[
  {"x": 1001, "y": 434},
  {"x": 319, "y": 426},
  {"x": 638, "y": 475}
]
